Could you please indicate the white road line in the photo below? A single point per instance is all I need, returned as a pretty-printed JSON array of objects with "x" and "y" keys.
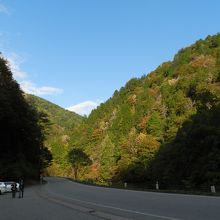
[
  {"x": 116, "y": 208},
  {"x": 126, "y": 210}
]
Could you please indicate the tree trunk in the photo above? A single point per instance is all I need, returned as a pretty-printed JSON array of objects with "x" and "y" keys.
[{"x": 75, "y": 172}]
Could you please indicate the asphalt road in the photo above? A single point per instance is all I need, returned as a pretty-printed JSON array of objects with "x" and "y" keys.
[{"x": 64, "y": 199}]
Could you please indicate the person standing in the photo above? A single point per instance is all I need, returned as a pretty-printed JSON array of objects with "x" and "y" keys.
[
  {"x": 13, "y": 189},
  {"x": 21, "y": 188},
  {"x": 41, "y": 179}
]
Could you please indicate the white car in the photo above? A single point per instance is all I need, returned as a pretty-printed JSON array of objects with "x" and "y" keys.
[
  {"x": 2, "y": 188},
  {"x": 8, "y": 186}
]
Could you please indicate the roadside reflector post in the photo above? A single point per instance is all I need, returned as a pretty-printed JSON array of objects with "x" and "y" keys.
[
  {"x": 213, "y": 189},
  {"x": 157, "y": 185},
  {"x": 125, "y": 185}
]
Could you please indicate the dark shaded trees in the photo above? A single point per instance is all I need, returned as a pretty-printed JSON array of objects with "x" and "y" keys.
[
  {"x": 193, "y": 157},
  {"x": 46, "y": 158},
  {"x": 21, "y": 136}
]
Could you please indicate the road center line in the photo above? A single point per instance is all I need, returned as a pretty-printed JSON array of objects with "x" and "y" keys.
[
  {"x": 126, "y": 210},
  {"x": 116, "y": 208}
]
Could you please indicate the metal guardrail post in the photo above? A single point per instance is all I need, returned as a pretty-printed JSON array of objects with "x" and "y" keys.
[
  {"x": 157, "y": 185},
  {"x": 213, "y": 189}
]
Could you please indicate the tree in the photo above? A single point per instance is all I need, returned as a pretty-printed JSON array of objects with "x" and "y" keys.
[
  {"x": 46, "y": 158},
  {"x": 21, "y": 136},
  {"x": 107, "y": 159},
  {"x": 78, "y": 159},
  {"x": 192, "y": 158},
  {"x": 141, "y": 131}
]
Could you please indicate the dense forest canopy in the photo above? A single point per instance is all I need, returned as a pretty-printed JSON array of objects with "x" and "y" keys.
[
  {"x": 23, "y": 153},
  {"x": 163, "y": 126},
  {"x": 57, "y": 132}
]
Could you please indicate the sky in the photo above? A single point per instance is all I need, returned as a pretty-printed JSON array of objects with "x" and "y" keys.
[{"x": 76, "y": 53}]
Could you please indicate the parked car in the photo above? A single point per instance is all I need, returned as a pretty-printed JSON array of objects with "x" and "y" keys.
[
  {"x": 8, "y": 186},
  {"x": 2, "y": 188}
]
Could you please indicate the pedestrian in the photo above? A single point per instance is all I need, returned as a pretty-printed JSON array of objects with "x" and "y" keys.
[
  {"x": 13, "y": 189},
  {"x": 41, "y": 179},
  {"x": 21, "y": 188}
]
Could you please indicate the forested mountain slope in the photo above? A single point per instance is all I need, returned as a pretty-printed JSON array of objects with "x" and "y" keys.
[
  {"x": 58, "y": 128},
  {"x": 164, "y": 126}
]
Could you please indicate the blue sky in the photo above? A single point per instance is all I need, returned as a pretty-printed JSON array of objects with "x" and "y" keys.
[{"x": 78, "y": 52}]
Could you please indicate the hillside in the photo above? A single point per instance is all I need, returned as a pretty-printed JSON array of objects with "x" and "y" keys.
[
  {"x": 61, "y": 121},
  {"x": 164, "y": 126}
]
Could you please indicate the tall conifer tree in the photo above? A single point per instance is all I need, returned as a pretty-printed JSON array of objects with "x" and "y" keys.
[{"x": 21, "y": 137}]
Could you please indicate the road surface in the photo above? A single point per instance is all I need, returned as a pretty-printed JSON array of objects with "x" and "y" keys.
[{"x": 61, "y": 199}]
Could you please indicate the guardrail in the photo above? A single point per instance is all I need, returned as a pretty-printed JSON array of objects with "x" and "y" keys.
[{"x": 159, "y": 187}]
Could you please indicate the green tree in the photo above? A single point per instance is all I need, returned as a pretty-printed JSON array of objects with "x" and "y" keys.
[
  {"x": 153, "y": 113},
  {"x": 21, "y": 136},
  {"x": 78, "y": 158},
  {"x": 46, "y": 158},
  {"x": 155, "y": 126},
  {"x": 107, "y": 159}
]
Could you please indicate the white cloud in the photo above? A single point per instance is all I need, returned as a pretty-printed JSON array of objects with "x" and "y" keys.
[
  {"x": 31, "y": 88},
  {"x": 84, "y": 108},
  {"x": 3, "y": 9},
  {"x": 14, "y": 62}
]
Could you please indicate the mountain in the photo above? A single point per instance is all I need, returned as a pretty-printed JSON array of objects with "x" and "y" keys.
[
  {"x": 61, "y": 122},
  {"x": 163, "y": 126}
]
